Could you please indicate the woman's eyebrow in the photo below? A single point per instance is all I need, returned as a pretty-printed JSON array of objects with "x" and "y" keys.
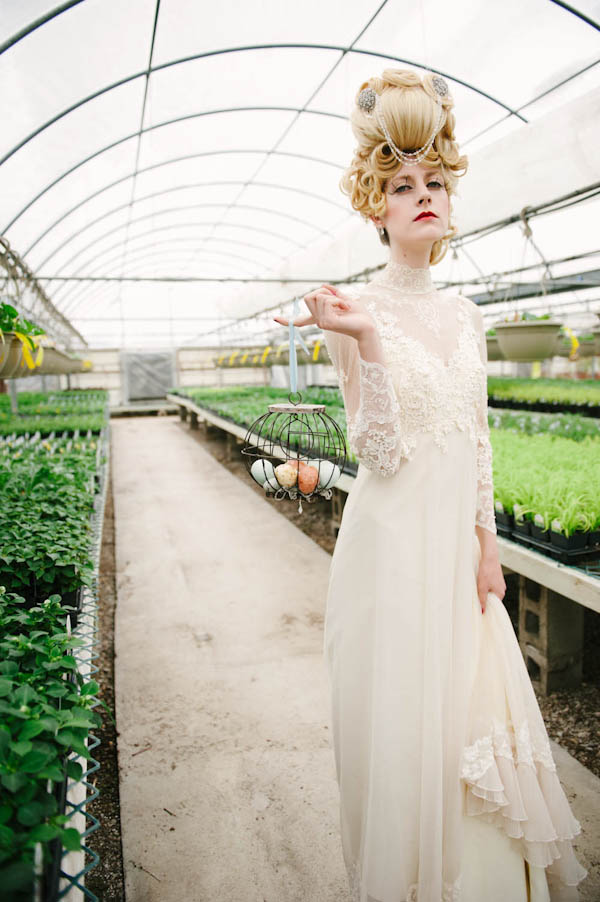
[{"x": 408, "y": 175}]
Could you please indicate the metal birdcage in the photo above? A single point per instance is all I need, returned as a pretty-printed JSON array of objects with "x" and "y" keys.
[{"x": 296, "y": 450}]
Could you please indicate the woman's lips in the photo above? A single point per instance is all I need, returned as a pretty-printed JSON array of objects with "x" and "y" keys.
[{"x": 426, "y": 216}]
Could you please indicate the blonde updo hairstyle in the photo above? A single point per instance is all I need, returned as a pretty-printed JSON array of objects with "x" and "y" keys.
[{"x": 409, "y": 108}]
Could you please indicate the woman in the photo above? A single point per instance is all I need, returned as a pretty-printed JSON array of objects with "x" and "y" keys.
[{"x": 448, "y": 790}]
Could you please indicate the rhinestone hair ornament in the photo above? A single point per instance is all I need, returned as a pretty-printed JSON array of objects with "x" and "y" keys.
[{"x": 368, "y": 100}]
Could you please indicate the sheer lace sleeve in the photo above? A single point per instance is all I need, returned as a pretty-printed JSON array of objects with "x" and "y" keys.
[
  {"x": 485, "y": 484},
  {"x": 372, "y": 408}
]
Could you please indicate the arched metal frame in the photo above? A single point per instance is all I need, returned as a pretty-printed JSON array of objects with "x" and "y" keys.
[
  {"x": 75, "y": 300},
  {"x": 60, "y": 247},
  {"x": 167, "y": 228},
  {"x": 183, "y": 187},
  {"x": 138, "y": 267},
  {"x": 146, "y": 73}
]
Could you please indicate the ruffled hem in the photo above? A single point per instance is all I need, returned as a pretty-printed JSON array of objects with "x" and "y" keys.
[
  {"x": 529, "y": 804},
  {"x": 507, "y": 767}
]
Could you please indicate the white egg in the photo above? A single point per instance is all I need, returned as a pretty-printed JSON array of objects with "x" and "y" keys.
[
  {"x": 261, "y": 470},
  {"x": 329, "y": 473},
  {"x": 271, "y": 484}
]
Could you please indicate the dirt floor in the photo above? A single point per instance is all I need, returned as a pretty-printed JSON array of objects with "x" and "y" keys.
[{"x": 572, "y": 717}]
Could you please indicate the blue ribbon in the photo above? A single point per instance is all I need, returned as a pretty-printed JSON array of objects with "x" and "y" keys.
[{"x": 293, "y": 336}]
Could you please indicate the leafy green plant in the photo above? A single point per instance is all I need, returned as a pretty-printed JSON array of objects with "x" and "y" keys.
[
  {"x": 45, "y": 715},
  {"x": 12, "y": 321},
  {"x": 568, "y": 391}
]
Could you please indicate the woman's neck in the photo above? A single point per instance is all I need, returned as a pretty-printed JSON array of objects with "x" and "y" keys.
[{"x": 410, "y": 279}]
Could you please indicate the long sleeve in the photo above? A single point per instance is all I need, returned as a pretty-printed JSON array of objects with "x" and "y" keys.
[
  {"x": 372, "y": 407},
  {"x": 485, "y": 484}
]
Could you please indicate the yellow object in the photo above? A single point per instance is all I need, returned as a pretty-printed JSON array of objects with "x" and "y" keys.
[
  {"x": 315, "y": 355},
  {"x": 233, "y": 356},
  {"x": 265, "y": 353},
  {"x": 29, "y": 361},
  {"x": 574, "y": 342},
  {"x": 536, "y": 369},
  {"x": 245, "y": 357},
  {"x": 220, "y": 360}
]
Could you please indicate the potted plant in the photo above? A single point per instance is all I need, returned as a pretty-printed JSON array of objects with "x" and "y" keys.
[
  {"x": 522, "y": 523},
  {"x": 565, "y": 534},
  {"x": 539, "y": 528},
  {"x": 19, "y": 338},
  {"x": 528, "y": 337}
]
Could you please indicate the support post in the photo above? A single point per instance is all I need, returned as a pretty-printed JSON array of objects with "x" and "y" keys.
[{"x": 550, "y": 636}]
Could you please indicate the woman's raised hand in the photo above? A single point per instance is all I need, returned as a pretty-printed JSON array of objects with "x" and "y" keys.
[{"x": 332, "y": 310}]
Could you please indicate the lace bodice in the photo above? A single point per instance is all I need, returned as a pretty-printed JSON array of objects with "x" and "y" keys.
[{"x": 434, "y": 378}]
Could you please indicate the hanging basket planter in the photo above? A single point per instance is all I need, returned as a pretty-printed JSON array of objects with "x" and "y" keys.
[
  {"x": 17, "y": 359},
  {"x": 56, "y": 362},
  {"x": 528, "y": 340},
  {"x": 586, "y": 347}
]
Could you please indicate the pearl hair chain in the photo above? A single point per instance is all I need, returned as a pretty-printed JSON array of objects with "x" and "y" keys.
[{"x": 368, "y": 100}]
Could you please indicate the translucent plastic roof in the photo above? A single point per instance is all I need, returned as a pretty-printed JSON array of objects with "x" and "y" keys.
[{"x": 147, "y": 143}]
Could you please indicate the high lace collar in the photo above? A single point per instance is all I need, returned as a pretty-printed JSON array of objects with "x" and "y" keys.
[{"x": 408, "y": 279}]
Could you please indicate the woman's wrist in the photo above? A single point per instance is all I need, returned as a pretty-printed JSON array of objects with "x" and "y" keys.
[
  {"x": 488, "y": 542},
  {"x": 369, "y": 346}
]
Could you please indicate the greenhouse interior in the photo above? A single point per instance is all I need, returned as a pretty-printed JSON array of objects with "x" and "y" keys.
[{"x": 177, "y": 444}]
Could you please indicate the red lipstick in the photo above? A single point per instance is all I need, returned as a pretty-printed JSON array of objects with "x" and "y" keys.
[{"x": 427, "y": 213}]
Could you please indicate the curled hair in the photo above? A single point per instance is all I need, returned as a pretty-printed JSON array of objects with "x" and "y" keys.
[{"x": 409, "y": 107}]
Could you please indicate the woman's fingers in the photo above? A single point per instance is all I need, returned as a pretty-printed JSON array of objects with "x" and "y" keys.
[
  {"x": 315, "y": 301},
  {"x": 297, "y": 322}
]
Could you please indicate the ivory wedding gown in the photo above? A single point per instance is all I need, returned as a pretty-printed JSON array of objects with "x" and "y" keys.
[{"x": 448, "y": 789}]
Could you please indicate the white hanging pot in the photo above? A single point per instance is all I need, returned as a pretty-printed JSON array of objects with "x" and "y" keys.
[{"x": 528, "y": 340}]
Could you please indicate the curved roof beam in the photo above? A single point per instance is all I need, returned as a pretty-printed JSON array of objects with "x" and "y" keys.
[
  {"x": 137, "y": 134},
  {"x": 19, "y": 35},
  {"x": 65, "y": 6},
  {"x": 93, "y": 260},
  {"x": 144, "y": 73},
  {"x": 130, "y": 175},
  {"x": 152, "y": 214},
  {"x": 73, "y": 286},
  {"x": 138, "y": 267},
  {"x": 150, "y": 251},
  {"x": 107, "y": 304},
  {"x": 578, "y": 13},
  {"x": 92, "y": 281}
]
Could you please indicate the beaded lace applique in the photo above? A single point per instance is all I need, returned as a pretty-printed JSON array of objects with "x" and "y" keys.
[
  {"x": 408, "y": 279},
  {"x": 434, "y": 379}
]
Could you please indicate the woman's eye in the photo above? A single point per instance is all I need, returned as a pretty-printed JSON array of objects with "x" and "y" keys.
[{"x": 399, "y": 188}]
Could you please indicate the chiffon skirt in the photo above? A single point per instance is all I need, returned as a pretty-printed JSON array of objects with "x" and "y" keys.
[{"x": 448, "y": 790}]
